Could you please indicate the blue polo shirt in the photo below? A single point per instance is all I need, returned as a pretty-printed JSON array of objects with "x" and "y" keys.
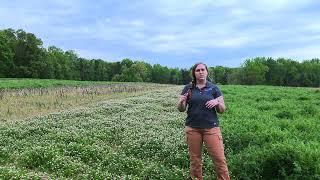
[{"x": 199, "y": 116}]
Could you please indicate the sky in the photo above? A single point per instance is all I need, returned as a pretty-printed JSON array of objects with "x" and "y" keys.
[{"x": 173, "y": 33}]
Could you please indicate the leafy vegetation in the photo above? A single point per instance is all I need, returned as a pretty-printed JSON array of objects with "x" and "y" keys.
[
  {"x": 269, "y": 133},
  {"x": 23, "y": 56},
  {"x": 16, "y": 83}
]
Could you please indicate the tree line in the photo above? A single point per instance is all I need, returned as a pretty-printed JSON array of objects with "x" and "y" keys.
[{"x": 22, "y": 55}]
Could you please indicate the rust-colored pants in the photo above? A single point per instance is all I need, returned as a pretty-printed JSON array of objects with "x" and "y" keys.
[{"x": 213, "y": 140}]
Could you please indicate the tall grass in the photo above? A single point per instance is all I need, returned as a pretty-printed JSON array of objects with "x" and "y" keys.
[{"x": 27, "y": 102}]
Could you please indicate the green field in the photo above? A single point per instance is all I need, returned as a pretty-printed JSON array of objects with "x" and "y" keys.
[
  {"x": 15, "y": 83},
  {"x": 269, "y": 133}
]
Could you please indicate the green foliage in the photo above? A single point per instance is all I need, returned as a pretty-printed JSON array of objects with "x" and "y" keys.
[
  {"x": 22, "y": 55},
  {"x": 185, "y": 76},
  {"x": 271, "y": 135},
  {"x": 284, "y": 115},
  {"x": 14, "y": 83},
  {"x": 286, "y": 160},
  {"x": 220, "y": 74},
  {"x": 160, "y": 74},
  {"x": 134, "y": 72},
  {"x": 142, "y": 137},
  {"x": 6, "y": 56},
  {"x": 254, "y": 71}
]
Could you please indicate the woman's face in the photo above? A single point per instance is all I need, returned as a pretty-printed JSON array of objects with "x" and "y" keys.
[{"x": 201, "y": 72}]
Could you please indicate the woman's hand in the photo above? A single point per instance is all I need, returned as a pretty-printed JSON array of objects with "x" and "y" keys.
[
  {"x": 182, "y": 104},
  {"x": 218, "y": 103},
  {"x": 183, "y": 98},
  {"x": 212, "y": 103}
]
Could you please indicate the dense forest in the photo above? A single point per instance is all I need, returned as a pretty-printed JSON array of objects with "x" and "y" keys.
[{"x": 22, "y": 55}]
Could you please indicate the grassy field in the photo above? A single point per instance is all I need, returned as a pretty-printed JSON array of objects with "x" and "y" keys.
[
  {"x": 15, "y": 83},
  {"x": 269, "y": 133},
  {"x": 57, "y": 95}
]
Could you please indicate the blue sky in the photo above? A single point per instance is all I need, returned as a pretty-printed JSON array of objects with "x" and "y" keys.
[{"x": 173, "y": 33}]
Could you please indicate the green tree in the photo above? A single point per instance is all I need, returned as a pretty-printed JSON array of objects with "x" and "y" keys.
[
  {"x": 289, "y": 72},
  {"x": 115, "y": 70},
  {"x": 28, "y": 52},
  {"x": 146, "y": 75},
  {"x": 175, "y": 76},
  {"x": 100, "y": 70},
  {"x": 126, "y": 63},
  {"x": 254, "y": 71},
  {"x": 160, "y": 74},
  {"x": 310, "y": 73},
  {"x": 71, "y": 61},
  {"x": 185, "y": 76},
  {"x": 272, "y": 75},
  {"x": 220, "y": 74},
  {"x": 6, "y": 56},
  {"x": 54, "y": 56},
  {"x": 136, "y": 72},
  {"x": 234, "y": 77}
]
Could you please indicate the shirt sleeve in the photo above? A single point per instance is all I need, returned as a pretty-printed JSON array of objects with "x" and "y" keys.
[
  {"x": 216, "y": 92},
  {"x": 185, "y": 89}
]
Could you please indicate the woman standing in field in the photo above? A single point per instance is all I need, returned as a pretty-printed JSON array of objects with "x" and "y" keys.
[{"x": 203, "y": 99}]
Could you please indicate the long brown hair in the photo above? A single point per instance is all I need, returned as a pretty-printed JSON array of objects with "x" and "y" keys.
[{"x": 194, "y": 80}]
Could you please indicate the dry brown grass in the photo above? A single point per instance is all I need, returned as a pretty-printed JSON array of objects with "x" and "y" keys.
[{"x": 25, "y": 103}]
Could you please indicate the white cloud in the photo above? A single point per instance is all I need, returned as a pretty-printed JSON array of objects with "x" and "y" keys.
[
  {"x": 299, "y": 53},
  {"x": 89, "y": 53},
  {"x": 192, "y": 27},
  {"x": 313, "y": 27},
  {"x": 136, "y": 23}
]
